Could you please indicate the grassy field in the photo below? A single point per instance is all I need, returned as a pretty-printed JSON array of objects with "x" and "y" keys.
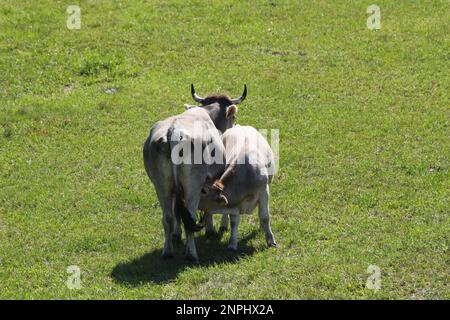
[{"x": 364, "y": 149}]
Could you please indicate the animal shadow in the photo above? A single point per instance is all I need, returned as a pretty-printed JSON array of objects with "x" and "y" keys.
[{"x": 151, "y": 267}]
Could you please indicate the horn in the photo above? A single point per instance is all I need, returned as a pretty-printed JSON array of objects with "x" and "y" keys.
[
  {"x": 196, "y": 96},
  {"x": 241, "y": 98}
]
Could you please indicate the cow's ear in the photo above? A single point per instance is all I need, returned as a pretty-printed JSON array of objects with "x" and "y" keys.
[
  {"x": 188, "y": 106},
  {"x": 231, "y": 111}
]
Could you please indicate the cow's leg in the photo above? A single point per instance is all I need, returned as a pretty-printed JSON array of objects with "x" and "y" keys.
[
  {"x": 158, "y": 167},
  {"x": 210, "y": 230},
  {"x": 176, "y": 235},
  {"x": 191, "y": 250},
  {"x": 167, "y": 220},
  {"x": 264, "y": 217},
  {"x": 224, "y": 223},
  {"x": 234, "y": 221}
]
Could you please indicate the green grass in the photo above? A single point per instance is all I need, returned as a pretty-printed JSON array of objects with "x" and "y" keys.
[{"x": 364, "y": 151}]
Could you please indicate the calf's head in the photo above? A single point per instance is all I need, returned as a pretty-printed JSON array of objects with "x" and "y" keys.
[
  {"x": 221, "y": 108},
  {"x": 212, "y": 194}
]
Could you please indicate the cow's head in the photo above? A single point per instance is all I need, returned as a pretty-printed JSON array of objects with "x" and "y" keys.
[{"x": 221, "y": 108}]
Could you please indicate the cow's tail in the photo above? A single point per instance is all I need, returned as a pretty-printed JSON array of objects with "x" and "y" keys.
[{"x": 181, "y": 212}]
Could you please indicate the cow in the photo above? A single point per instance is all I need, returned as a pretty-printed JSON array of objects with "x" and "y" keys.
[
  {"x": 178, "y": 184},
  {"x": 244, "y": 184}
]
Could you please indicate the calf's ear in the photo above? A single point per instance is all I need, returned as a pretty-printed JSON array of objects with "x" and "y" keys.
[
  {"x": 231, "y": 111},
  {"x": 222, "y": 199}
]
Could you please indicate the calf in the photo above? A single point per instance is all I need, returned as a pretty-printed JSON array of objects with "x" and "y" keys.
[{"x": 249, "y": 169}]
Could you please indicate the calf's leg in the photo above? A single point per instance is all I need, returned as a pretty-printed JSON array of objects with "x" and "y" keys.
[
  {"x": 264, "y": 217},
  {"x": 210, "y": 230},
  {"x": 224, "y": 223}
]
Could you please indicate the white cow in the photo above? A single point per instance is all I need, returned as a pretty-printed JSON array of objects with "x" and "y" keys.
[{"x": 178, "y": 184}]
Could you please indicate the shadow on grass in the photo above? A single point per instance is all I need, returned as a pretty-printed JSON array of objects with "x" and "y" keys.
[{"x": 151, "y": 267}]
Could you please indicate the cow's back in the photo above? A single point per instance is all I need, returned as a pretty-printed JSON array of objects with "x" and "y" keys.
[{"x": 193, "y": 125}]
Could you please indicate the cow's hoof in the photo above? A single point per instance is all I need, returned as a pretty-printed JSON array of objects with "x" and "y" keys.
[
  {"x": 192, "y": 259},
  {"x": 167, "y": 255},
  {"x": 223, "y": 230},
  {"x": 272, "y": 245},
  {"x": 232, "y": 248},
  {"x": 176, "y": 237}
]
